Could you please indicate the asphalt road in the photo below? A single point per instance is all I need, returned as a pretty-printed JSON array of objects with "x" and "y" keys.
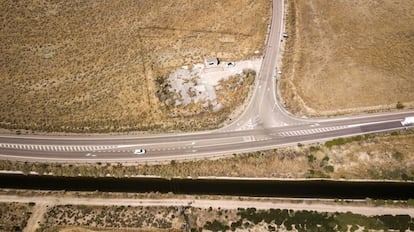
[{"x": 263, "y": 125}]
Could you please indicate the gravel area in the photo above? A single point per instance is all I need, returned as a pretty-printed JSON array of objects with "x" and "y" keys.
[{"x": 199, "y": 83}]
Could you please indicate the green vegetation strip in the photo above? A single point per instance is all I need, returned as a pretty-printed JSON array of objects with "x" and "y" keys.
[
  {"x": 199, "y": 219},
  {"x": 313, "y": 221}
]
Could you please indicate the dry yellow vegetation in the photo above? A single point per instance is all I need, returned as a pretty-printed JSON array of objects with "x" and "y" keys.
[
  {"x": 348, "y": 56},
  {"x": 90, "y": 66}
]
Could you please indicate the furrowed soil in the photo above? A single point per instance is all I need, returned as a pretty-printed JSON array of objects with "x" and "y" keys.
[
  {"x": 91, "y": 66},
  {"x": 348, "y": 56}
]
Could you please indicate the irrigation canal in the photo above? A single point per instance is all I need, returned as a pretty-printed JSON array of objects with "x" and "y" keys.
[{"x": 265, "y": 188}]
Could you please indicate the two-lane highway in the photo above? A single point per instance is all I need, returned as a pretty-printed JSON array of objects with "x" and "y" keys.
[{"x": 189, "y": 146}]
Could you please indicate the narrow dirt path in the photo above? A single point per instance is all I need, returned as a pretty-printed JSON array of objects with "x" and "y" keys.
[{"x": 37, "y": 215}]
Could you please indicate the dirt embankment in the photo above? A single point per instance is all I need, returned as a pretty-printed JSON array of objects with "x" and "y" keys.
[{"x": 348, "y": 56}]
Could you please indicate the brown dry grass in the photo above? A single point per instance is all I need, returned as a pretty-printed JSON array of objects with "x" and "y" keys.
[
  {"x": 90, "y": 66},
  {"x": 348, "y": 56},
  {"x": 384, "y": 157}
]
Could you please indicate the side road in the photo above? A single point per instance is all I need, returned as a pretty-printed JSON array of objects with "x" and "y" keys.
[
  {"x": 223, "y": 204},
  {"x": 46, "y": 202}
]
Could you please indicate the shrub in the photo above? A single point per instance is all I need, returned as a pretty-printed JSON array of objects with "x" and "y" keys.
[
  {"x": 311, "y": 158},
  {"x": 399, "y": 106},
  {"x": 216, "y": 226},
  {"x": 314, "y": 148},
  {"x": 329, "y": 168},
  {"x": 342, "y": 141}
]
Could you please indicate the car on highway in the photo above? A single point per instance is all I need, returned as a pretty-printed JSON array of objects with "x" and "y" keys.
[{"x": 139, "y": 151}]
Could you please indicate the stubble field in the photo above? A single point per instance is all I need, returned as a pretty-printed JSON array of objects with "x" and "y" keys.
[
  {"x": 91, "y": 66},
  {"x": 348, "y": 56}
]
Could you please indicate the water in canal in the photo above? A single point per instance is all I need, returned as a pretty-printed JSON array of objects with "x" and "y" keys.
[{"x": 269, "y": 188}]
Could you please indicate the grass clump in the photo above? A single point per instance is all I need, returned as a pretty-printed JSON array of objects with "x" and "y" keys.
[{"x": 342, "y": 141}]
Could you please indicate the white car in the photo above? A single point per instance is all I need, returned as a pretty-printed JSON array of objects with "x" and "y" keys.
[{"x": 139, "y": 151}]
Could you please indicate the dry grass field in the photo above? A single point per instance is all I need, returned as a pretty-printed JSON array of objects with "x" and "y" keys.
[
  {"x": 91, "y": 66},
  {"x": 348, "y": 56}
]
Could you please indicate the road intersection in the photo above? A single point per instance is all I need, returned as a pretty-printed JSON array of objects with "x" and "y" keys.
[{"x": 263, "y": 125}]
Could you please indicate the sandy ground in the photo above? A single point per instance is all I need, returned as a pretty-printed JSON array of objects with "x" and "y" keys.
[{"x": 37, "y": 214}]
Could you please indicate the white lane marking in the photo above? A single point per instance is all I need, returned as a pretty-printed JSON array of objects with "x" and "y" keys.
[
  {"x": 249, "y": 138},
  {"x": 311, "y": 131},
  {"x": 63, "y": 148},
  {"x": 250, "y": 124}
]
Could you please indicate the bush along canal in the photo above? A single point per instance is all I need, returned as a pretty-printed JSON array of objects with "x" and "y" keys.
[{"x": 237, "y": 187}]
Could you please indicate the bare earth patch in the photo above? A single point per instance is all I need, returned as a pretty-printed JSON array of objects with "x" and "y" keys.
[{"x": 348, "y": 56}]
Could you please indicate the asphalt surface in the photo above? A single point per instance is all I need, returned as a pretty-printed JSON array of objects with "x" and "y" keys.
[{"x": 263, "y": 125}]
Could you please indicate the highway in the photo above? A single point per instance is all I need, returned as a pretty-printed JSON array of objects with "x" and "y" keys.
[{"x": 263, "y": 125}]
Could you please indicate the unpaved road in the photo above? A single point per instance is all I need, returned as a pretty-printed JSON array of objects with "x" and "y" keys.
[{"x": 38, "y": 211}]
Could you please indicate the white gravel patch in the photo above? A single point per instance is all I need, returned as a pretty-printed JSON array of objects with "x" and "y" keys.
[{"x": 199, "y": 83}]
